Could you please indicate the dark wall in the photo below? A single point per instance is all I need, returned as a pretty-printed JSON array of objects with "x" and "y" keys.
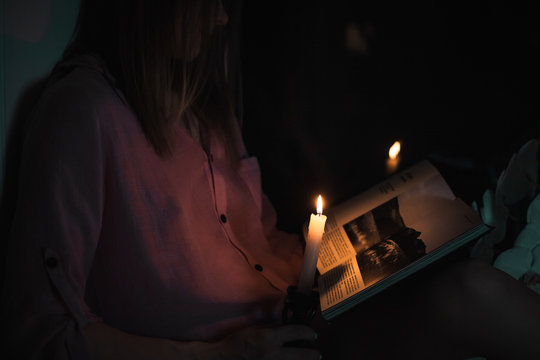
[{"x": 455, "y": 81}]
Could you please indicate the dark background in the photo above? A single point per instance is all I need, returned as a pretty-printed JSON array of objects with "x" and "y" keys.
[{"x": 455, "y": 81}]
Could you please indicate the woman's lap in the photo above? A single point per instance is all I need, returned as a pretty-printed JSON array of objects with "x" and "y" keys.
[{"x": 455, "y": 309}]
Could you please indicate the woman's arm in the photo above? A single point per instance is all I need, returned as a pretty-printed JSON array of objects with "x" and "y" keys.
[
  {"x": 56, "y": 225},
  {"x": 254, "y": 343}
]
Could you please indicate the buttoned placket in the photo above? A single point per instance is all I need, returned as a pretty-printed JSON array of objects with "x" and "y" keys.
[{"x": 220, "y": 203}]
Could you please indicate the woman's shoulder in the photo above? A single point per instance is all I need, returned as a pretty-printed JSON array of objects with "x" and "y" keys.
[{"x": 81, "y": 85}]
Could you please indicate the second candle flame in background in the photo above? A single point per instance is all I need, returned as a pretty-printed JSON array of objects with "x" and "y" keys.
[
  {"x": 393, "y": 153},
  {"x": 392, "y": 162}
]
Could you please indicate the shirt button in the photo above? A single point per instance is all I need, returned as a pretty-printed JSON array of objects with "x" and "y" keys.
[
  {"x": 223, "y": 218},
  {"x": 51, "y": 262},
  {"x": 258, "y": 267}
]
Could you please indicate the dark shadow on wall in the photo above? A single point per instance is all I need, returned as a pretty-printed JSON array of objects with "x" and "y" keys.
[
  {"x": 11, "y": 161},
  {"x": 330, "y": 85}
]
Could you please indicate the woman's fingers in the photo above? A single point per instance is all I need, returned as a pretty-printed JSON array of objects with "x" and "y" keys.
[
  {"x": 281, "y": 342},
  {"x": 279, "y": 339},
  {"x": 297, "y": 354},
  {"x": 283, "y": 334}
]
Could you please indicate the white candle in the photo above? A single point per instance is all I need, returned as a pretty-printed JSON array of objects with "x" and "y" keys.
[{"x": 311, "y": 254}]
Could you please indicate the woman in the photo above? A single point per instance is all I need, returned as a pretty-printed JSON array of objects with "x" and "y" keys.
[
  {"x": 140, "y": 229},
  {"x": 140, "y": 216}
]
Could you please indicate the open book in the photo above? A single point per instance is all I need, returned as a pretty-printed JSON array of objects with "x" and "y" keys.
[{"x": 388, "y": 232}]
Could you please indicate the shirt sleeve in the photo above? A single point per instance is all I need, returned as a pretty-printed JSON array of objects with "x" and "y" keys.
[{"x": 56, "y": 227}]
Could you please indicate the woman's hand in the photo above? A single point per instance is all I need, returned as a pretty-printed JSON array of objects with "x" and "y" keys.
[
  {"x": 257, "y": 343},
  {"x": 254, "y": 343}
]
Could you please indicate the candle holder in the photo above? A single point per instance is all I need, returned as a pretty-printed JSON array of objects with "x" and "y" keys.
[{"x": 300, "y": 309}]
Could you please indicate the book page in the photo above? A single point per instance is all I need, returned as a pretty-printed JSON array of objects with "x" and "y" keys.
[
  {"x": 335, "y": 248},
  {"x": 389, "y": 230},
  {"x": 340, "y": 283},
  {"x": 406, "y": 231},
  {"x": 395, "y": 185},
  {"x": 351, "y": 228}
]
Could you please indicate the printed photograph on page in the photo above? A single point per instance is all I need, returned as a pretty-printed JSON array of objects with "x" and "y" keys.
[{"x": 404, "y": 229}]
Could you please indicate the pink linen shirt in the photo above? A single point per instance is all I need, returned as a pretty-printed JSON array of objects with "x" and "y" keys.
[{"x": 182, "y": 247}]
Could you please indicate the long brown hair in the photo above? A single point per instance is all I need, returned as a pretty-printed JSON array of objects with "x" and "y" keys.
[{"x": 148, "y": 46}]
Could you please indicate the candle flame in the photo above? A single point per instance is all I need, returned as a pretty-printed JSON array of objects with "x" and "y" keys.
[
  {"x": 319, "y": 205},
  {"x": 394, "y": 150}
]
